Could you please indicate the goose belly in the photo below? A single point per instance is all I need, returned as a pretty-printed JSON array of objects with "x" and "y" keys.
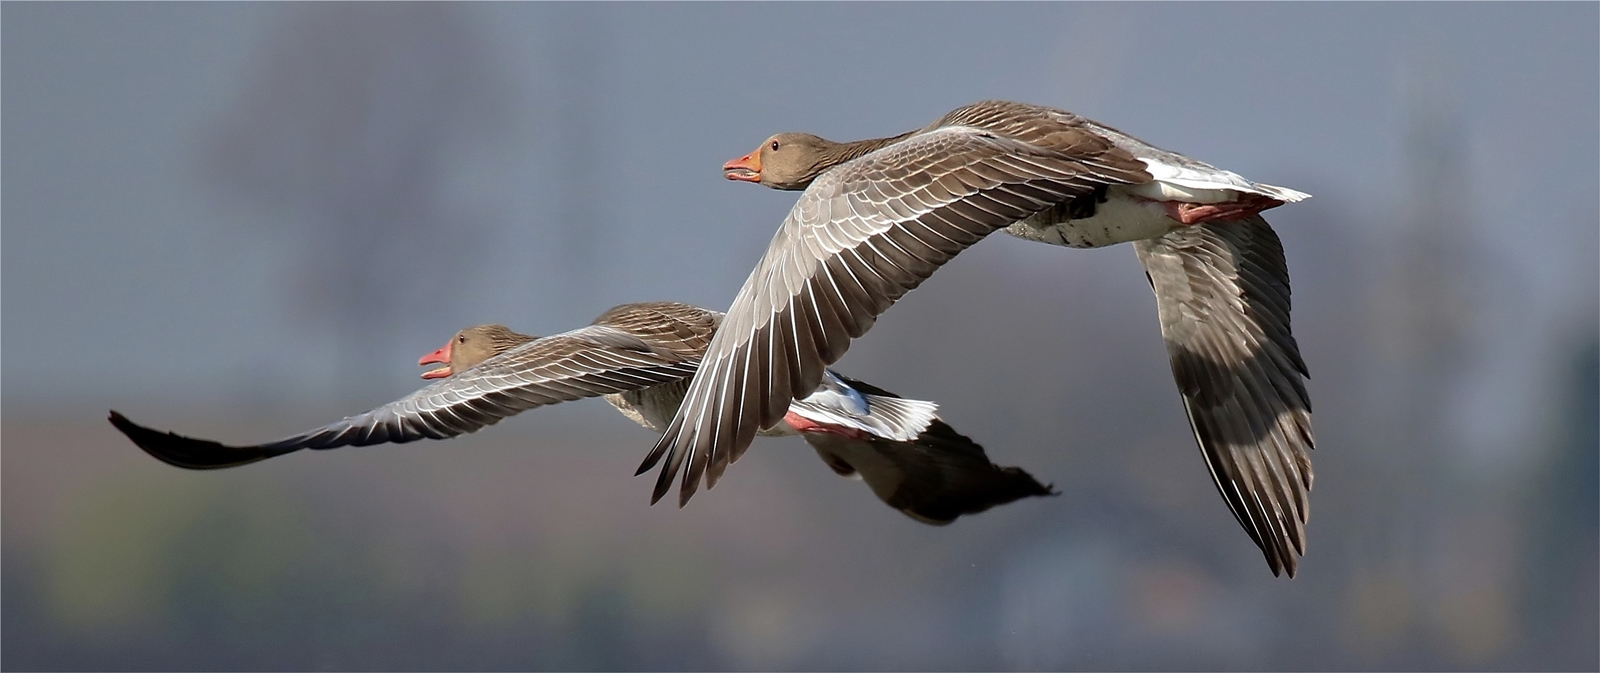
[
  {"x": 1119, "y": 218},
  {"x": 655, "y": 406},
  {"x": 651, "y": 407}
]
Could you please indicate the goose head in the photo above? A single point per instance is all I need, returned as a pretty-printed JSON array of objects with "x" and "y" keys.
[{"x": 470, "y": 347}]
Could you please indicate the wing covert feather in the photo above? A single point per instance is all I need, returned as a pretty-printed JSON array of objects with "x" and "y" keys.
[
  {"x": 588, "y": 362},
  {"x": 862, "y": 235}
]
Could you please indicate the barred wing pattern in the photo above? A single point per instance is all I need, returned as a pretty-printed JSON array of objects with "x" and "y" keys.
[
  {"x": 1222, "y": 293},
  {"x": 862, "y": 235},
  {"x": 683, "y": 329},
  {"x": 586, "y": 362}
]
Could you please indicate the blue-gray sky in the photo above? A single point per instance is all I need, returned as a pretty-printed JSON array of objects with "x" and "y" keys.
[
  {"x": 128, "y": 272},
  {"x": 240, "y": 218}
]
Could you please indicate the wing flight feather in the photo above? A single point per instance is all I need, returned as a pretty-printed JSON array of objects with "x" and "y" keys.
[
  {"x": 860, "y": 237},
  {"x": 1222, "y": 295},
  {"x": 588, "y": 362}
]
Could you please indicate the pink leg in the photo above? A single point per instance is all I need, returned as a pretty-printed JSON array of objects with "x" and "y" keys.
[
  {"x": 806, "y": 425},
  {"x": 1195, "y": 213}
]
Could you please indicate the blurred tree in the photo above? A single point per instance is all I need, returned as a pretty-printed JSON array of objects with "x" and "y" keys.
[{"x": 348, "y": 126}]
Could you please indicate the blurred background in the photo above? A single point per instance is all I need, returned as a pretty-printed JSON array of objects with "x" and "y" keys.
[{"x": 240, "y": 221}]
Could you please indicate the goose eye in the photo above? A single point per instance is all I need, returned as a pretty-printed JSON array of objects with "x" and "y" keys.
[
  {"x": 461, "y": 339},
  {"x": 774, "y": 145}
]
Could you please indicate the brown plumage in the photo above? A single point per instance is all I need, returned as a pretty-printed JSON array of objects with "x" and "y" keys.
[
  {"x": 877, "y": 217},
  {"x": 627, "y": 348},
  {"x": 471, "y": 346},
  {"x": 639, "y": 357}
]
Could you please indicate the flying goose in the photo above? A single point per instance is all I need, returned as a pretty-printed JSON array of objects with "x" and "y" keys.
[
  {"x": 639, "y": 357},
  {"x": 878, "y": 216}
]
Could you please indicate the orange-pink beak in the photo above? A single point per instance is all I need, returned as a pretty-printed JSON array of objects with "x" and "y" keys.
[
  {"x": 744, "y": 169},
  {"x": 438, "y": 357}
]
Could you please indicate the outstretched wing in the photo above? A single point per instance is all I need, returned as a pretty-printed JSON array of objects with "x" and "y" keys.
[
  {"x": 587, "y": 362},
  {"x": 861, "y": 236},
  {"x": 1222, "y": 291}
]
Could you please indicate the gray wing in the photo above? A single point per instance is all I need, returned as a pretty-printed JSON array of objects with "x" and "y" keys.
[
  {"x": 1222, "y": 292},
  {"x": 588, "y": 362},
  {"x": 935, "y": 478},
  {"x": 861, "y": 236},
  {"x": 669, "y": 325}
]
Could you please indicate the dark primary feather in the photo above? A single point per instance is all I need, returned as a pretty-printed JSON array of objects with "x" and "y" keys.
[
  {"x": 1222, "y": 291},
  {"x": 591, "y": 361},
  {"x": 190, "y": 452},
  {"x": 935, "y": 478},
  {"x": 861, "y": 236}
]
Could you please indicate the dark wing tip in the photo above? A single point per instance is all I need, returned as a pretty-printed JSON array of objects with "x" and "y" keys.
[
  {"x": 651, "y": 459},
  {"x": 1289, "y": 563},
  {"x": 665, "y": 448},
  {"x": 187, "y": 452},
  {"x": 692, "y": 474},
  {"x": 1282, "y": 553}
]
